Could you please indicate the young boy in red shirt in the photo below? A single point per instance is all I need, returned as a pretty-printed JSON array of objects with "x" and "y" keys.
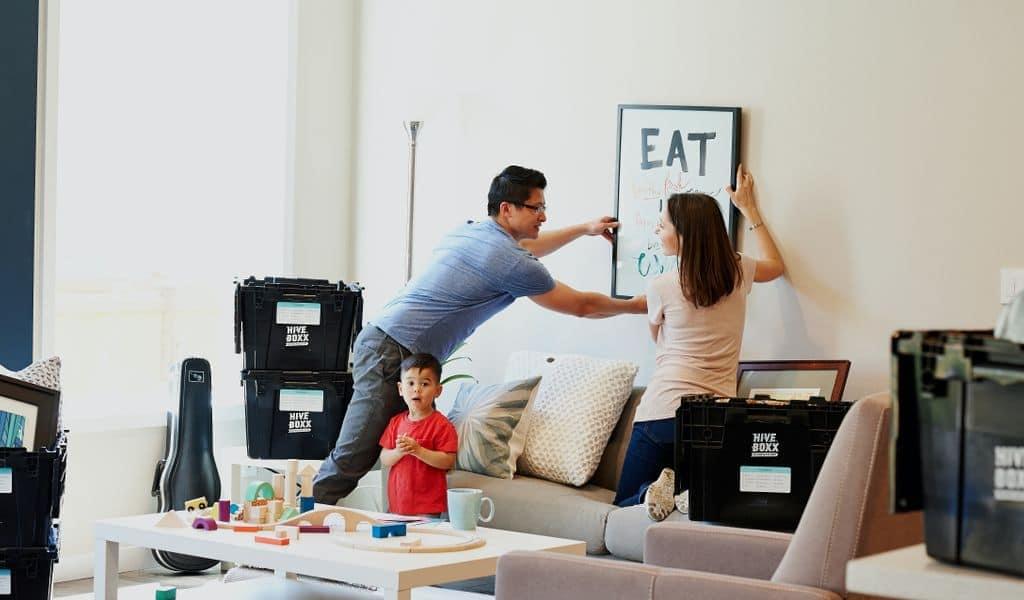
[{"x": 419, "y": 444}]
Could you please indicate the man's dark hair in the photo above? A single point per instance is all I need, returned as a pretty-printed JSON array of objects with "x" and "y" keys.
[
  {"x": 514, "y": 185},
  {"x": 422, "y": 360}
]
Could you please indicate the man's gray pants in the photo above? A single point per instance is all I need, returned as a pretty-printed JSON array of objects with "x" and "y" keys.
[{"x": 376, "y": 370}]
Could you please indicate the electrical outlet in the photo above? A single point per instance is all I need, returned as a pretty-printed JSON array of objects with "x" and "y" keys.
[{"x": 1011, "y": 283}]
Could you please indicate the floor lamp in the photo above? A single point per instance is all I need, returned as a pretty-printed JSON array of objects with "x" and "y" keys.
[{"x": 412, "y": 128}]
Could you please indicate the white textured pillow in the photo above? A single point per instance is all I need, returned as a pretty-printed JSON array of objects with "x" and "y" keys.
[
  {"x": 577, "y": 406},
  {"x": 44, "y": 373}
]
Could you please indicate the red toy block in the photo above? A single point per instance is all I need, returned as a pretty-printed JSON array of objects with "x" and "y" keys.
[
  {"x": 314, "y": 529},
  {"x": 239, "y": 528},
  {"x": 273, "y": 541}
]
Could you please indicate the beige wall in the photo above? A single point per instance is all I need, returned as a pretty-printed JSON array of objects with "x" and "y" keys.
[{"x": 883, "y": 136}]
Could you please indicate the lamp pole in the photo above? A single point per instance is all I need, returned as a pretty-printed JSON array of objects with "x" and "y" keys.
[{"x": 412, "y": 128}]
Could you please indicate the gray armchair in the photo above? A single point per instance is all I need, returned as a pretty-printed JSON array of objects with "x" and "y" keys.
[{"x": 846, "y": 517}]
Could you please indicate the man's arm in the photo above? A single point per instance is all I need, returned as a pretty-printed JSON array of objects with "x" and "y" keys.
[
  {"x": 549, "y": 241},
  {"x": 565, "y": 299}
]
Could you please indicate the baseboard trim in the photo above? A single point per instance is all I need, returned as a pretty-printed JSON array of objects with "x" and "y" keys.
[{"x": 80, "y": 566}]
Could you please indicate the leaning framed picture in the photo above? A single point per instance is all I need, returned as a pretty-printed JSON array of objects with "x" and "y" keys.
[
  {"x": 792, "y": 379},
  {"x": 665, "y": 150},
  {"x": 28, "y": 414}
]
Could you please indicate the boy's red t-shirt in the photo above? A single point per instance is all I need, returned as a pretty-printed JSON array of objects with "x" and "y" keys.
[{"x": 414, "y": 487}]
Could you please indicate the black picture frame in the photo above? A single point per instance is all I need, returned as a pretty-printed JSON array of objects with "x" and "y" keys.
[
  {"x": 841, "y": 369},
  {"x": 627, "y": 287},
  {"x": 46, "y": 402}
]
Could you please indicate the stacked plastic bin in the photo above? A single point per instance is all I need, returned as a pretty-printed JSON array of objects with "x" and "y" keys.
[
  {"x": 296, "y": 336},
  {"x": 31, "y": 490}
]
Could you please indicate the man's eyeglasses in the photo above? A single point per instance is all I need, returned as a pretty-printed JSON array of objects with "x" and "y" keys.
[{"x": 540, "y": 209}]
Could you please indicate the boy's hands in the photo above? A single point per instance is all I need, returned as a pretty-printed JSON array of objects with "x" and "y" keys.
[{"x": 407, "y": 444}]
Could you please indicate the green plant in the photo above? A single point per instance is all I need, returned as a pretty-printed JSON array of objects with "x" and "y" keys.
[{"x": 451, "y": 359}]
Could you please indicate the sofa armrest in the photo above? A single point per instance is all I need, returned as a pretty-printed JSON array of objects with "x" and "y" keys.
[
  {"x": 550, "y": 576},
  {"x": 715, "y": 549}
]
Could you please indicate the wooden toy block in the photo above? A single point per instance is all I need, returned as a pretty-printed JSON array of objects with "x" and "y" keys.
[
  {"x": 306, "y": 503},
  {"x": 289, "y": 512},
  {"x": 307, "y": 476},
  {"x": 196, "y": 504},
  {"x": 205, "y": 524},
  {"x": 388, "y": 530},
  {"x": 314, "y": 529},
  {"x": 281, "y": 534},
  {"x": 224, "y": 510},
  {"x": 276, "y": 506},
  {"x": 171, "y": 520},
  {"x": 166, "y": 592},
  {"x": 246, "y": 528},
  {"x": 290, "y": 531},
  {"x": 274, "y": 541},
  {"x": 290, "y": 475},
  {"x": 259, "y": 489},
  {"x": 277, "y": 482},
  {"x": 260, "y": 502}
]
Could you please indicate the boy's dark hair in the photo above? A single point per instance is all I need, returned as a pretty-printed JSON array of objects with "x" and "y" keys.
[
  {"x": 513, "y": 185},
  {"x": 422, "y": 360}
]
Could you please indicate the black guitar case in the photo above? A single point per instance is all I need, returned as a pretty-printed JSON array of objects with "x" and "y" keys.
[{"x": 188, "y": 469}]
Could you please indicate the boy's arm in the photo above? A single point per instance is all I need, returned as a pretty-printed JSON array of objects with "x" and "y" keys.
[
  {"x": 435, "y": 458},
  {"x": 388, "y": 457}
]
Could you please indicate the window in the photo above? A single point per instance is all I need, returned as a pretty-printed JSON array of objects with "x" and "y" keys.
[{"x": 172, "y": 179}]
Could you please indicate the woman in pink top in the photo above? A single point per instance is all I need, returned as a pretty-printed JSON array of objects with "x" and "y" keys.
[{"x": 696, "y": 318}]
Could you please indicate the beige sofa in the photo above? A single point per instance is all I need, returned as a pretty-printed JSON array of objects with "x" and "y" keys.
[{"x": 586, "y": 513}]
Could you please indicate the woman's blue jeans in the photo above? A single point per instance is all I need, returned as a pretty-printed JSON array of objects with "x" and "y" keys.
[{"x": 650, "y": 450}]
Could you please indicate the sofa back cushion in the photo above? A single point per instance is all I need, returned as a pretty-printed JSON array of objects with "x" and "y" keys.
[{"x": 610, "y": 467}]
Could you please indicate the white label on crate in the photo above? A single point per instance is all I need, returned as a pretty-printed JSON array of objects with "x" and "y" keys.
[
  {"x": 785, "y": 393},
  {"x": 302, "y": 400},
  {"x": 6, "y": 481},
  {"x": 5, "y": 582},
  {"x": 771, "y": 480},
  {"x": 298, "y": 313},
  {"x": 1008, "y": 479}
]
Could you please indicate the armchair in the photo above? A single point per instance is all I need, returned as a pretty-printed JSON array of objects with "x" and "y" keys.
[{"x": 846, "y": 517}]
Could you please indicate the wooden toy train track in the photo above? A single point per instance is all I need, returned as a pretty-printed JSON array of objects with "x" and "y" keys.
[{"x": 426, "y": 540}]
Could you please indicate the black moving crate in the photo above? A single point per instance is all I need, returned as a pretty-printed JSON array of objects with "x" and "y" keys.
[
  {"x": 31, "y": 488},
  {"x": 27, "y": 573},
  {"x": 296, "y": 324},
  {"x": 294, "y": 414},
  {"x": 968, "y": 394},
  {"x": 752, "y": 462}
]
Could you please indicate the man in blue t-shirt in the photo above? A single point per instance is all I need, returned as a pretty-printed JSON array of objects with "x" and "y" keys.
[{"x": 478, "y": 270}]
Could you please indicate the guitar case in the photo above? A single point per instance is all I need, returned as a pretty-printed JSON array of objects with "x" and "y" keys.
[{"x": 188, "y": 469}]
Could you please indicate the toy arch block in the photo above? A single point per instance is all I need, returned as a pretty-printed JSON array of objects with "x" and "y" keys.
[
  {"x": 205, "y": 524},
  {"x": 259, "y": 490}
]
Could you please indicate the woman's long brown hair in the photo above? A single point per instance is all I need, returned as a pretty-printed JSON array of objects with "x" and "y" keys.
[{"x": 709, "y": 268}]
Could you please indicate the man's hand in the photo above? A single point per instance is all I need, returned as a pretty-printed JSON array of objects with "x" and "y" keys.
[{"x": 604, "y": 227}]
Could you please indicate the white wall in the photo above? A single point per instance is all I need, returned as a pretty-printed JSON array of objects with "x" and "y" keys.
[{"x": 883, "y": 136}]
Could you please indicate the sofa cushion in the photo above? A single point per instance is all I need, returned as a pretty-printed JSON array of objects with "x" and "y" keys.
[
  {"x": 576, "y": 409},
  {"x": 485, "y": 417},
  {"x": 624, "y": 532},
  {"x": 542, "y": 507}
]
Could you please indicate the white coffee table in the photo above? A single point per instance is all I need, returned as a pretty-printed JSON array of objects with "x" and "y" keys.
[{"x": 315, "y": 555}]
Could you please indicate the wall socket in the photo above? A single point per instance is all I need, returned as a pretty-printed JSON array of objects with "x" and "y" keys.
[{"x": 1011, "y": 283}]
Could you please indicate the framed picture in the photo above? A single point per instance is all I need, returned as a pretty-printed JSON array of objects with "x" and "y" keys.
[
  {"x": 793, "y": 379},
  {"x": 665, "y": 150},
  {"x": 28, "y": 414}
]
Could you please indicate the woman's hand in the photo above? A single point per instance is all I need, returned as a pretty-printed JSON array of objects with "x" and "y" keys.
[{"x": 743, "y": 196}]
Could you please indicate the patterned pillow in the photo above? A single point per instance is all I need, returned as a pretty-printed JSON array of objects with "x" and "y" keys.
[
  {"x": 485, "y": 417},
  {"x": 45, "y": 373},
  {"x": 576, "y": 409}
]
